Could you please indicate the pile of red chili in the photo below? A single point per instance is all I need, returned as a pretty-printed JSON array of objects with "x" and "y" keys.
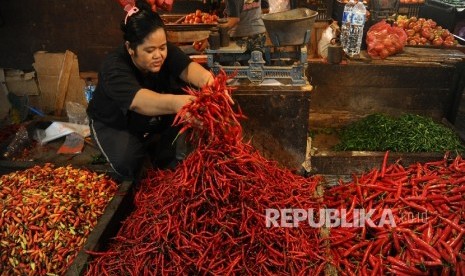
[
  {"x": 46, "y": 214},
  {"x": 207, "y": 216},
  {"x": 426, "y": 204}
]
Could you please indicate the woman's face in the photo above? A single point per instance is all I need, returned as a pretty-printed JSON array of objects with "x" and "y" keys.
[{"x": 150, "y": 55}]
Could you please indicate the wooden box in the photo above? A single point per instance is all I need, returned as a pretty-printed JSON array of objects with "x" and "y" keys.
[
  {"x": 107, "y": 227},
  {"x": 423, "y": 81},
  {"x": 277, "y": 121},
  {"x": 178, "y": 32},
  {"x": 108, "y": 224}
]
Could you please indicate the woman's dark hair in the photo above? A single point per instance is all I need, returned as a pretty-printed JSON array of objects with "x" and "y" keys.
[{"x": 140, "y": 24}]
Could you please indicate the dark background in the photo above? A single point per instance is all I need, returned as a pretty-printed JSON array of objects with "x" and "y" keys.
[{"x": 88, "y": 28}]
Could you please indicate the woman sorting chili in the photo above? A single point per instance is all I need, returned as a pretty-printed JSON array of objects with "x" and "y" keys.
[{"x": 139, "y": 90}]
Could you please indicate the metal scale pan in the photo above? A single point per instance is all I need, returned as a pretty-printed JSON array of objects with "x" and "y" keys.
[
  {"x": 289, "y": 28},
  {"x": 278, "y": 26}
]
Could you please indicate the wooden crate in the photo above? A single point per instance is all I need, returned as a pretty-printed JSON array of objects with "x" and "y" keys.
[
  {"x": 324, "y": 160},
  {"x": 423, "y": 81},
  {"x": 186, "y": 36},
  {"x": 323, "y": 7},
  {"x": 108, "y": 224},
  {"x": 178, "y": 32},
  {"x": 381, "y": 9},
  {"x": 277, "y": 121},
  {"x": 410, "y": 10},
  {"x": 107, "y": 227}
]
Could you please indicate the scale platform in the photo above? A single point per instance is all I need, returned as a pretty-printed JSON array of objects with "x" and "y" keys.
[{"x": 260, "y": 65}]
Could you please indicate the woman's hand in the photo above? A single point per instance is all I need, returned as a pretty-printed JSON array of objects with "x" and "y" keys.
[
  {"x": 197, "y": 75},
  {"x": 181, "y": 100},
  {"x": 150, "y": 103}
]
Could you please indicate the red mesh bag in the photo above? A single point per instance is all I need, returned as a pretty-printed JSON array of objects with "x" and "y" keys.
[
  {"x": 123, "y": 3},
  {"x": 384, "y": 40},
  {"x": 165, "y": 4},
  {"x": 155, "y": 4}
]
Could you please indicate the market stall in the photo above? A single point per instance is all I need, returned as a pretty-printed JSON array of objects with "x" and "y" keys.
[
  {"x": 425, "y": 78},
  {"x": 263, "y": 159},
  {"x": 55, "y": 206}
]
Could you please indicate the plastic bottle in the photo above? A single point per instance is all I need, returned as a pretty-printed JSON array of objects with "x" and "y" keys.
[
  {"x": 89, "y": 89},
  {"x": 356, "y": 29},
  {"x": 345, "y": 24},
  {"x": 19, "y": 143}
]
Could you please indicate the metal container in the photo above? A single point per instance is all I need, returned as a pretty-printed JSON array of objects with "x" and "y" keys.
[
  {"x": 224, "y": 32},
  {"x": 291, "y": 27},
  {"x": 214, "y": 38},
  {"x": 335, "y": 53}
]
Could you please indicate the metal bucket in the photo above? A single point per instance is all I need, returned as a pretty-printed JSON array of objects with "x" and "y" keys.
[{"x": 291, "y": 27}]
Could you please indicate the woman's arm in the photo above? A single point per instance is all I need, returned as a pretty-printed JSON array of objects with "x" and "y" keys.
[
  {"x": 150, "y": 103},
  {"x": 232, "y": 22},
  {"x": 197, "y": 75}
]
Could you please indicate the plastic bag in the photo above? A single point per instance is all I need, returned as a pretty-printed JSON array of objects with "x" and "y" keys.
[
  {"x": 279, "y": 5},
  {"x": 18, "y": 144},
  {"x": 331, "y": 33},
  {"x": 76, "y": 113},
  {"x": 384, "y": 40},
  {"x": 74, "y": 143}
]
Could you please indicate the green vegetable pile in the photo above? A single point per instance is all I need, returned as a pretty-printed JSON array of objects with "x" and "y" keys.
[{"x": 407, "y": 133}]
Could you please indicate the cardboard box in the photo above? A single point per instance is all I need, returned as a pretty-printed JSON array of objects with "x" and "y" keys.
[
  {"x": 49, "y": 68},
  {"x": 21, "y": 83}
]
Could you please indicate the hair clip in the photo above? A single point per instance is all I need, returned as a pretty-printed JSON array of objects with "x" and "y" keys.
[{"x": 130, "y": 11}]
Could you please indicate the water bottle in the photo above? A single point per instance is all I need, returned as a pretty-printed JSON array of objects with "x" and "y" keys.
[
  {"x": 345, "y": 24},
  {"x": 89, "y": 89},
  {"x": 356, "y": 29}
]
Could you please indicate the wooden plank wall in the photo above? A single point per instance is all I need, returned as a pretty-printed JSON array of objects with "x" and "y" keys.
[{"x": 89, "y": 28}]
